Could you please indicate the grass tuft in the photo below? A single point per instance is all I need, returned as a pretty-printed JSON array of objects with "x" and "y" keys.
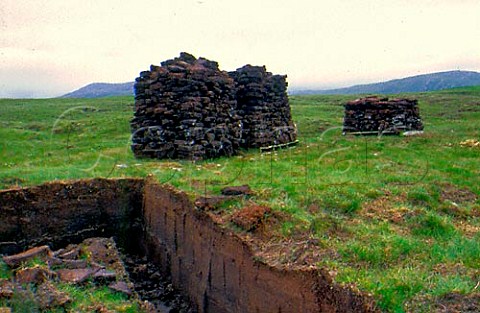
[{"x": 433, "y": 225}]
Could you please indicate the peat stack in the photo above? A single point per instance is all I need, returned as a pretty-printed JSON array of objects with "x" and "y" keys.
[
  {"x": 188, "y": 108},
  {"x": 374, "y": 115},
  {"x": 185, "y": 108},
  {"x": 263, "y": 104}
]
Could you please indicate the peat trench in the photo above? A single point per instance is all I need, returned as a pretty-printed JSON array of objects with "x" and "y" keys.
[{"x": 178, "y": 258}]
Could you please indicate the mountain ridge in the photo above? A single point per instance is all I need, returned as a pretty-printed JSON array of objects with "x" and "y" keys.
[
  {"x": 100, "y": 90},
  {"x": 418, "y": 83}
]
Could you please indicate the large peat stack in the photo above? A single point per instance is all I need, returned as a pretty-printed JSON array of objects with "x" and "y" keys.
[
  {"x": 262, "y": 102},
  {"x": 185, "y": 108},
  {"x": 380, "y": 115}
]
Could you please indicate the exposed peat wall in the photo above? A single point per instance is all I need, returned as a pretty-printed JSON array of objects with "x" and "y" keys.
[
  {"x": 58, "y": 213},
  {"x": 213, "y": 266}
]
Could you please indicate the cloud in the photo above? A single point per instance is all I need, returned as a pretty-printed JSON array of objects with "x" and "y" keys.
[{"x": 68, "y": 44}]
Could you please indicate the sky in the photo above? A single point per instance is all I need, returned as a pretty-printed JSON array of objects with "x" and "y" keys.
[{"x": 51, "y": 47}]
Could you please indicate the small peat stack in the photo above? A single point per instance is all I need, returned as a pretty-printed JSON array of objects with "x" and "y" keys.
[
  {"x": 374, "y": 115},
  {"x": 185, "y": 108},
  {"x": 262, "y": 102}
]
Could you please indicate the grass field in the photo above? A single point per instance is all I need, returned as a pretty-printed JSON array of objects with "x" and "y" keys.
[{"x": 398, "y": 217}]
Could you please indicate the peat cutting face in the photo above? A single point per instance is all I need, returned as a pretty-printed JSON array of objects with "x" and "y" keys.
[{"x": 215, "y": 268}]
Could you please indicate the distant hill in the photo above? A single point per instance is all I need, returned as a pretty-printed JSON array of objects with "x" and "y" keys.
[
  {"x": 98, "y": 90},
  {"x": 419, "y": 83}
]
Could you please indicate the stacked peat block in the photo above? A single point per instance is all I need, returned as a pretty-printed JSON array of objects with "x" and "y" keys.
[
  {"x": 185, "y": 108},
  {"x": 262, "y": 102},
  {"x": 380, "y": 115}
]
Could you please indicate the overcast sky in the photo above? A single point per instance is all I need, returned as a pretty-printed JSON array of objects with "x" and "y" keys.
[{"x": 50, "y": 47}]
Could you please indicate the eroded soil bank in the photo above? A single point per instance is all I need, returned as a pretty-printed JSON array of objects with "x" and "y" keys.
[{"x": 214, "y": 267}]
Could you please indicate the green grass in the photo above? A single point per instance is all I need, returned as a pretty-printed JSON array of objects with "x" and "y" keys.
[
  {"x": 89, "y": 296},
  {"x": 379, "y": 202},
  {"x": 5, "y": 272}
]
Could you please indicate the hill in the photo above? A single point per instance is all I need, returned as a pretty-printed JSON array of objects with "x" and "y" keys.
[
  {"x": 99, "y": 90},
  {"x": 419, "y": 83}
]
